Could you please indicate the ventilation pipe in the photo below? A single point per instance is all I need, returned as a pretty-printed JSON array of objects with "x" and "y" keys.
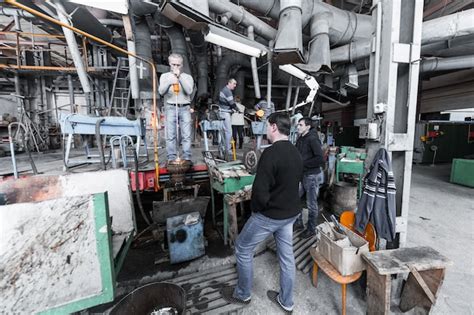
[
  {"x": 344, "y": 26},
  {"x": 241, "y": 17},
  {"x": 73, "y": 49},
  {"x": 85, "y": 21},
  {"x": 143, "y": 47},
  {"x": 319, "y": 59},
  {"x": 224, "y": 18},
  {"x": 445, "y": 64},
  {"x": 223, "y": 69},
  {"x": 289, "y": 39},
  {"x": 200, "y": 53},
  {"x": 253, "y": 62},
  {"x": 440, "y": 29},
  {"x": 175, "y": 34},
  {"x": 240, "y": 88},
  {"x": 458, "y": 46}
]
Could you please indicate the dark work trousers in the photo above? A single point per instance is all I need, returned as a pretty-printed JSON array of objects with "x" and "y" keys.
[{"x": 238, "y": 131}]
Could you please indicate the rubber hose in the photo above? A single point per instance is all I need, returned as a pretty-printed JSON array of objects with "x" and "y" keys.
[
  {"x": 99, "y": 142},
  {"x": 137, "y": 189}
]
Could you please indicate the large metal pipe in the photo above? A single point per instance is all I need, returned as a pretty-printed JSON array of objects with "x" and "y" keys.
[
  {"x": 240, "y": 88},
  {"x": 200, "y": 53},
  {"x": 328, "y": 23},
  {"x": 83, "y": 19},
  {"x": 143, "y": 47},
  {"x": 72, "y": 101},
  {"x": 176, "y": 37},
  {"x": 269, "y": 74},
  {"x": 253, "y": 63},
  {"x": 289, "y": 39},
  {"x": 458, "y": 46},
  {"x": 133, "y": 71},
  {"x": 240, "y": 16},
  {"x": 448, "y": 27},
  {"x": 111, "y": 22},
  {"x": 319, "y": 46},
  {"x": 73, "y": 49},
  {"x": 227, "y": 62},
  {"x": 445, "y": 64},
  {"x": 347, "y": 25},
  {"x": 440, "y": 29}
]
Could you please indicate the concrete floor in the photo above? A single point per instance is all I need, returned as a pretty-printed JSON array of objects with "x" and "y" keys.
[{"x": 441, "y": 216}]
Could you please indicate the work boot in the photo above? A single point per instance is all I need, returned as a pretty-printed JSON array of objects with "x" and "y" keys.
[
  {"x": 307, "y": 234},
  {"x": 298, "y": 227}
]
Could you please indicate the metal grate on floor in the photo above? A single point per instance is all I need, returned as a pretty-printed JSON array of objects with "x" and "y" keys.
[
  {"x": 203, "y": 290},
  {"x": 301, "y": 246}
]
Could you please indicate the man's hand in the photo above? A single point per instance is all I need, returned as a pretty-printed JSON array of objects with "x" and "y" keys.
[
  {"x": 175, "y": 80},
  {"x": 191, "y": 110},
  {"x": 176, "y": 72}
]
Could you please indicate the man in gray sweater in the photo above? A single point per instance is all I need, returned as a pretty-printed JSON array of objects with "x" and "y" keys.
[
  {"x": 226, "y": 108},
  {"x": 176, "y": 88}
]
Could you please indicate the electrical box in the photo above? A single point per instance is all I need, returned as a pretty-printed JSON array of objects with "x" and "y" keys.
[{"x": 369, "y": 131}]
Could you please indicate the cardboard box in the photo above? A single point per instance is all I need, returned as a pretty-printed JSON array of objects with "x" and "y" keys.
[{"x": 343, "y": 252}]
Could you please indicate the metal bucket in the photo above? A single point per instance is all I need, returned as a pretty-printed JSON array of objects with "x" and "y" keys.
[
  {"x": 344, "y": 197},
  {"x": 154, "y": 298}
]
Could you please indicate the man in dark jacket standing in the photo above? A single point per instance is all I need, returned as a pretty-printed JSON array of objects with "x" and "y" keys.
[
  {"x": 309, "y": 146},
  {"x": 275, "y": 207}
]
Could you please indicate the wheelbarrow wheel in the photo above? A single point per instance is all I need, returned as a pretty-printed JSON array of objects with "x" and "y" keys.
[{"x": 250, "y": 158}]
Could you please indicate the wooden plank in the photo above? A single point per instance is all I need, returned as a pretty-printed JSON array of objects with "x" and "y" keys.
[
  {"x": 397, "y": 260},
  {"x": 422, "y": 284},
  {"x": 413, "y": 295},
  {"x": 378, "y": 292}
]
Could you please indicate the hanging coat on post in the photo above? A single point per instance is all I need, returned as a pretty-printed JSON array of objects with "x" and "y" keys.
[{"x": 377, "y": 202}]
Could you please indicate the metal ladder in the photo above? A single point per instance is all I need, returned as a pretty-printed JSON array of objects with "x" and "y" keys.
[{"x": 120, "y": 95}]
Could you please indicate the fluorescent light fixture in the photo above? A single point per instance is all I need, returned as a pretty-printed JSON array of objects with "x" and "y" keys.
[
  {"x": 293, "y": 71},
  {"x": 233, "y": 41},
  {"x": 117, "y": 6}
]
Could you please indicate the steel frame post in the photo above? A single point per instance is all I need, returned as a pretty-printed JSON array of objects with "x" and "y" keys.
[{"x": 392, "y": 100}]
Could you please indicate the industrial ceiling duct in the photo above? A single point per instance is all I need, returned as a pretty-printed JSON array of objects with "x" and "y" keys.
[
  {"x": 176, "y": 37},
  {"x": 199, "y": 47},
  {"x": 85, "y": 21},
  {"x": 289, "y": 39},
  {"x": 192, "y": 14},
  {"x": 228, "y": 62},
  {"x": 319, "y": 59}
]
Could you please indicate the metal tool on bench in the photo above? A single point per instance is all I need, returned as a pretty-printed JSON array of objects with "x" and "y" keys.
[{"x": 75, "y": 124}]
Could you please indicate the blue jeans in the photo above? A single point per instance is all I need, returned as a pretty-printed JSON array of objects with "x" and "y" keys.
[
  {"x": 256, "y": 230},
  {"x": 227, "y": 129},
  {"x": 184, "y": 116},
  {"x": 310, "y": 185}
]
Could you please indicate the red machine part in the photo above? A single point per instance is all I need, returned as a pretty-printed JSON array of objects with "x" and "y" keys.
[{"x": 146, "y": 179}]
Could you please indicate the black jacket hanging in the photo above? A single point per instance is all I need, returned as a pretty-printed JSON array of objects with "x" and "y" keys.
[{"x": 377, "y": 202}]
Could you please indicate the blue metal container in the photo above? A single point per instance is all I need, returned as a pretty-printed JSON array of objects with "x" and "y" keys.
[{"x": 185, "y": 237}]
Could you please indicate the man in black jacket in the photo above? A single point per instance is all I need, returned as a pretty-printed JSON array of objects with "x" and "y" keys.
[
  {"x": 309, "y": 146},
  {"x": 275, "y": 207}
]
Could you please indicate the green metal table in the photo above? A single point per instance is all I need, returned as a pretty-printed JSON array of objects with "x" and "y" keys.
[
  {"x": 351, "y": 161},
  {"x": 229, "y": 187}
]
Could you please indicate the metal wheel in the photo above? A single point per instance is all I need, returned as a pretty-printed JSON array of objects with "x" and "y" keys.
[{"x": 251, "y": 157}]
